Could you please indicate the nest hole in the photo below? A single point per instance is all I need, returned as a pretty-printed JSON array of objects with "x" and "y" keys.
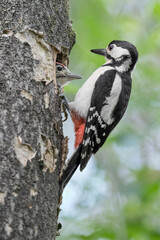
[{"x": 61, "y": 58}]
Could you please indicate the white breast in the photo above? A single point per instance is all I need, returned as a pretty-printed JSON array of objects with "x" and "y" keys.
[{"x": 82, "y": 100}]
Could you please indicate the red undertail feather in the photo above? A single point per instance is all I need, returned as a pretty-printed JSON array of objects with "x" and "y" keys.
[{"x": 79, "y": 126}]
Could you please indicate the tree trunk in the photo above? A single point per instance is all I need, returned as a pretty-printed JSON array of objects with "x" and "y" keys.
[{"x": 33, "y": 34}]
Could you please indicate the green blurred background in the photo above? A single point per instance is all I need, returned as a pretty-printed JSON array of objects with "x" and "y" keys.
[{"x": 118, "y": 194}]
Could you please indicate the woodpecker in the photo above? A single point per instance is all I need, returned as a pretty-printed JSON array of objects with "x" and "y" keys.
[
  {"x": 63, "y": 75},
  {"x": 100, "y": 103}
]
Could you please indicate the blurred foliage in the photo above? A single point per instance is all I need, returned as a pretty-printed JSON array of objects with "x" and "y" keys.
[
  {"x": 121, "y": 199},
  {"x": 134, "y": 212}
]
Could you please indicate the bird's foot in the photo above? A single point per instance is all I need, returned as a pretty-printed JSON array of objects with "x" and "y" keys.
[{"x": 65, "y": 106}]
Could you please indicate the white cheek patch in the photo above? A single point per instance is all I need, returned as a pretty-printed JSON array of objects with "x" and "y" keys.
[{"x": 117, "y": 52}]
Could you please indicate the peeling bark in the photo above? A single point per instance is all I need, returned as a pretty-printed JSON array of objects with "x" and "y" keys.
[{"x": 32, "y": 35}]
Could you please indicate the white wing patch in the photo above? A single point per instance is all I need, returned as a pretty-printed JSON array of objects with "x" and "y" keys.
[
  {"x": 111, "y": 101},
  {"x": 82, "y": 100}
]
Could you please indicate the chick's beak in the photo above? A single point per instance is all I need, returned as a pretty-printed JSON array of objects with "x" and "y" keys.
[
  {"x": 73, "y": 76},
  {"x": 101, "y": 51}
]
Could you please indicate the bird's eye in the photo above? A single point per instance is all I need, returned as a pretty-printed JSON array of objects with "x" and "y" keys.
[
  {"x": 59, "y": 68},
  {"x": 110, "y": 47}
]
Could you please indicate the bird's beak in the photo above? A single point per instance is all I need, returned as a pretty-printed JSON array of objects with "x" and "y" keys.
[
  {"x": 73, "y": 76},
  {"x": 101, "y": 51}
]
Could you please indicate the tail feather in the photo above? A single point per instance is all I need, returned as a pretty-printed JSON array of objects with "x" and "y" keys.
[{"x": 71, "y": 167}]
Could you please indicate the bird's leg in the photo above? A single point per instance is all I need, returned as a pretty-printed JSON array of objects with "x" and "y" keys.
[{"x": 65, "y": 105}]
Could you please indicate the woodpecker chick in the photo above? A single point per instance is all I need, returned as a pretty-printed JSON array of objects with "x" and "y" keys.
[
  {"x": 63, "y": 75},
  {"x": 100, "y": 103}
]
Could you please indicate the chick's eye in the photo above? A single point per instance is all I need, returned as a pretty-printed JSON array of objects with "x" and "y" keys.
[
  {"x": 59, "y": 68},
  {"x": 110, "y": 47}
]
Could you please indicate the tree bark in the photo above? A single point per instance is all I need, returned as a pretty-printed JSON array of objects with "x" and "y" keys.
[{"x": 33, "y": 34}]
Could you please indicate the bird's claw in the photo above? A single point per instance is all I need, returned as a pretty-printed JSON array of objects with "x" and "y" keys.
[{"x": 65, "y": 106}]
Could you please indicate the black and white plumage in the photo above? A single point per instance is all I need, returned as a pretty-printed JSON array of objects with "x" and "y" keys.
[{"x": 102, "y": 102}]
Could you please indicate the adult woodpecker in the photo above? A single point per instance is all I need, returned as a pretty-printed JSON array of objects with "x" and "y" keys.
[
  {"x": 100, "y": 103},
  {"x": 63, "y": 75}
]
